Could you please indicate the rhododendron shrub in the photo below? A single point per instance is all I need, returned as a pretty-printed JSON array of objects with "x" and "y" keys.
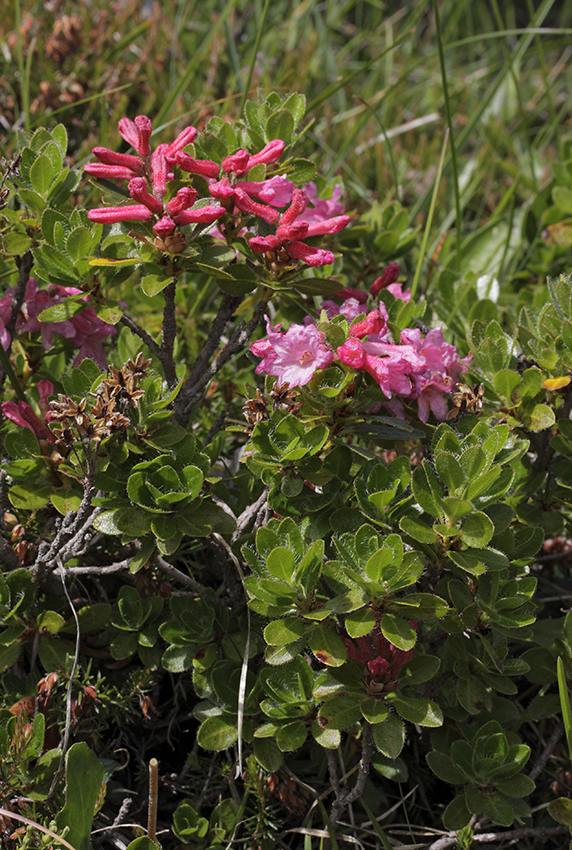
[{"x": 248, "y": 472}]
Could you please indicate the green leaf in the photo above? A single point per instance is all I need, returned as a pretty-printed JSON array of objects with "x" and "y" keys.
[
  {"x": 291, "y": 736},
  {"x": 418, "y": 530},
  {"x": 450, "y": 471},
  {"x": 539, "y": 418},
  {"x": 328, "y": 647},
  {"x": 268, "y": 754},
  {"x": 477, "y": 529},
  {"x": 420, "y": 669},
  {"x": 281, "y": 632},
  {"x": 398, "y": 632},
  {"x": 108, "y": 311},
  {"x": 15, "y": 242},
  {"x": 9, "y": 655},
  {"x": 423, "y": 712},
  {"x": 498, "y": 810},
  {"x": 456, "y": 815},
  {"x": 316, "y": 286},
  {"x": 301, "y": 171},
  {"x": 79, "y": 243},
  {"x": 42, "y": 174},
  {"x": 389, "y": 736},
  {"x": 442, "y": 766},
  {"x": 373, "y": 710},
  {"x": 29, "y": 498},
  {"x": 65, "y": 501},
  {"x": 280, "y": 563},
  {"x": 360, "y": 623},
  {"x": 280, "y": 125},
  {"x": 152, "y": 284},
  {"x": 505, "y": 382},
  {"x": 561, "y": 810},
  {"x": 327, "y": 738},
  {"x": 66, "y": 309},
  {"x": 218, "y": 733},
  {"x": 84, "y": 777},
  {"x": 517, "y": 786},
  {"x": 340, "y": 712}
]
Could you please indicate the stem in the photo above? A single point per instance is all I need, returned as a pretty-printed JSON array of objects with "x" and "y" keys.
[
  {"x": 153, "y": 800},
  {"x": 195, "y": 387},
  {"x": 24, "y": 263},
  {"x": 168, "y": 334}
]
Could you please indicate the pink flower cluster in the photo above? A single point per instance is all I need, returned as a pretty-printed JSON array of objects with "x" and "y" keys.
[
  {"x": 416, "y": 367},
  {"x": 228, "y": 184},
  {"x": 147, "y": 174},
  {"x": 85, "y": 330}
]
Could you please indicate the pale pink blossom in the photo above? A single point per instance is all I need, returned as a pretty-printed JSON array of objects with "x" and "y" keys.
[{"x": 293, "y": 356}]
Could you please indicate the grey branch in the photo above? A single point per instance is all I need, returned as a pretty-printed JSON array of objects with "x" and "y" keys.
[
  {"x": 512, "y": 835},
  {"x": 547, "y": 751}
]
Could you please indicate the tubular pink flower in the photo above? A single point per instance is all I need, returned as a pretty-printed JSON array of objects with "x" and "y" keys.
[
  {"x": 296, "y": 208},
  {"x": 139, "y": 192},
  {"x": 329, "y": 226},
  {"x": 237, "y": 163},
  {"x": 131, "y": 212},
  {"x": 184, "y": 138},
  {"x": 184, "y": 199},
  {"x": 114, "y": 172},
  {"x": 311, "y": 256},
  {"x": 159, "y": 171},
  {"x": 202, "y": 215},
  {"x": 320, "y": 208},
  {"x": 372, "y": 324},
  {"x": 348, "y": 292},
  {"x": 245, "y": 203},
  {"x": 292, "y": 232},
  {"x": 222, "y": 189},
  {"x": 352, "y": 354},
  {"x": 262, "y": 244},
  {"x": 206, "y": 167},
  {"x": 389, "y": 275},
  {"x": 164, "y": 227},
  {"x": 129, "y": 132},
  {"x": 126, "y": 160},
  {"x": 144, "y": 130},
  {"x": 269, "y": 153},
  {"x": 22, "y": 415}
]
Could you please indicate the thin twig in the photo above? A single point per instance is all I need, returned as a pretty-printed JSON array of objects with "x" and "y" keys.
[
  {"x": 168, "y": 334},
  {"x": 66, "y": 735},
  {"x": 198, "y": 380},
  {"x": 249, "y": 514},
  {"x": 153, "y": 347},
  {"x": 547, "y": 751},
  {"x": 538, "y": 833},
  {"x": 174, "y": 573}
]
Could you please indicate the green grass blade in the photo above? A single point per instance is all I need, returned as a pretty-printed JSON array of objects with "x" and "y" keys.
[
  {"x": 338, "y": 84},
  {"x": 193, "y": 64},
  {"x": 254, "y": 55},
  {"x": 449, "y": 114},
  {"x": 429, "y": 221},
  {"x": 565, "y": 703},
  {"x": 378, "y": 830}
]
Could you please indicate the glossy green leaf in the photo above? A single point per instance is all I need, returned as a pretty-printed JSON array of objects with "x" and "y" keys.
[
  {"x": 389, "y": 736},
  {"x": 218, "y": 733},
  {"x": 398, "y": 632},
  {"x": 423, "y": 712},
  {"x": 280, "y": 632},
  {"x": 328, "y": 647}
]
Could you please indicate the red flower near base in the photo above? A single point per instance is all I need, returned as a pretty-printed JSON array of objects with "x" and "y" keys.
[{"x": 380, "y": 659}]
